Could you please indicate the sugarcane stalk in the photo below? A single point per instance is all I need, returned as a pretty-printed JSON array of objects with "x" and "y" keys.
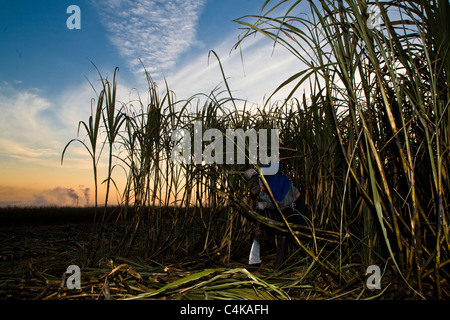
[{"x": 311, "y": 254}]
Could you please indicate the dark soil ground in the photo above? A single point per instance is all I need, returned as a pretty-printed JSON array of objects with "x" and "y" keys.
[
  {"x": 35, "y": 252},
  {"x": 38, "y": 245}
]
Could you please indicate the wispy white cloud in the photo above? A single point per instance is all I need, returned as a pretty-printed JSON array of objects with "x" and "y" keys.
[
  {"x": 159, "y": 31},
  {"x": 155, "y": 31},
  {"x": 26, "y": 133},
  {"x": 253, "y": 76},
  {"x": 20, "y": 151},
  {"x": 35, "y": 127}
]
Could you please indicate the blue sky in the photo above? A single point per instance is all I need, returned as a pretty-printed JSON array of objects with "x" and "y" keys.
[
  {"x": 44, "y": 90},
  {"x": 42, "y": 52}
]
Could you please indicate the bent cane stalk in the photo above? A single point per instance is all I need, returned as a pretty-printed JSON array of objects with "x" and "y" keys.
[{"x": 310, "y": 253}]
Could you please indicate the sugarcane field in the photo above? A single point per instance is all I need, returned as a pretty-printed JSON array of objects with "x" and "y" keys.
[{"x": 334, "y": 187}]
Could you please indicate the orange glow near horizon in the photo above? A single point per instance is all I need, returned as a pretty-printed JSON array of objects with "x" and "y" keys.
[{"x": 27, "y": 184}]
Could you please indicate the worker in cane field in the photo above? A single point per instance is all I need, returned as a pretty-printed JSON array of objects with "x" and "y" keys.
[{"x": 288, "y": 199}]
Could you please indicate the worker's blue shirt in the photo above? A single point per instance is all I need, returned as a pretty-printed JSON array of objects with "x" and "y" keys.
[{"x": 278, "y": 184}]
